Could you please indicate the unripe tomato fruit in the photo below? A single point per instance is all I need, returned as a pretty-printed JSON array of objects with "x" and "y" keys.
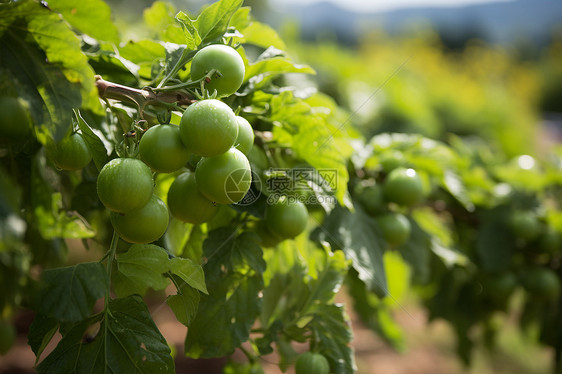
[
  {"x": 370, "y": 196},
  {"x": 225, "y": 178},
  {"x": 395, "y": 228},
  {"x": 162, "y": 149},
  {"x": 245, "y": 139},
  {"x": 226, "y": 61},
  {"x": 268, "y": 239},
  {"x": 142, "y": 225},
  {"x": 403, "y": 187},
  {"x": 286, "y": 219},
  {"x": 524, "y": 224},
  {"x": 500, "y": 286},
  {"x": 7, "y": 336},
  {"x": 541, "y": 283},
  {"x": 208, "y": 128},
  {"x": 312, "y": 363},
  {"x": 14, "y": 119},
  {"x": 392, "y": 161},
  {"x": 186, "y": 202},
  {"x": 72, "y": 153},
  {"x": 125, "y": 184}
]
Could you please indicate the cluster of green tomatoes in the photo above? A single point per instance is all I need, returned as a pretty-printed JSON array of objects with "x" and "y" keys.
[
  {"x": 211, "y": 136},
  {"x": 402, "y": 188}
]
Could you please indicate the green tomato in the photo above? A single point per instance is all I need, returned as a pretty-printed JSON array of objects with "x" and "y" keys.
[
  {"x": 125, "y": 184},
  {"x": 162, "y": 149},
  {"x": 225, "y": 178},
  {"x": 392, "y": 161},
  {"x": 312, "y": 363},
  {"x": 551, "y": 241},
  {"x": 541, "y": 283},
  {"x": 403, "y": 187},
  {"x": 245, "y": 139},
  {"x": 370, "y": 196},
  {"x": 268, "y": 239},
  {"x": 7, "y": 336},
  {"x": 186, "y": 202},
  {"x": 395, "y": 228},
  {"x": 72, "y": 153},
  {"x": 14, "y": 119},
  {"x": 525, "y": 225},
  {"x": 500, "y": 286},
  {"x": 286, "y": 219},
  {"x": 142, "y": 225},
  {"x": 226, "y": 61},
  {"x": 208, "y": 128}
]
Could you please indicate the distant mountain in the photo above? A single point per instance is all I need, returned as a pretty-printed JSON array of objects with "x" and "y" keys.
[{"x": 531, "y": 20}]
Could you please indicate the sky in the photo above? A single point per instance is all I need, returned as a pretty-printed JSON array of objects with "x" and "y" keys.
[{"x": 382, "y": 5}]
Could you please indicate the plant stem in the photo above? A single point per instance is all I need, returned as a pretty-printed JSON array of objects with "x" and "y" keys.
[
  {"x": 111, "y": 258},
  {"x": 142, "y": 98}
]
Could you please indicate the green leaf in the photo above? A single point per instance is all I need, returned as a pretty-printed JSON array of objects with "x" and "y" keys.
[
  {"x": 495, "y": 242},
  {"x": 58, "y": 223},
  {"x": 70, "y": 292},
  {"x": 225, "y": 317},
  {"x": 417, "y": 253},
  {"x": 141, "y": 267},
  {"x": 97, "y": 149},
  {"x": 128, "y": 341},
  {"x": 276, "y": 66},
  {"x": 189, "y": 272},
  {"x": 40, "y": 333},
  {"x": 92, "y": 17},
  {"x": 308, "y": 131},
  {"x": 185, "y": 303},
  {"x": 190, "y": 31},
  {"x": 160, "y": 19},
  {"x": 356, "y": 235},
  {"x": 234, "y": 276},
  {"x": 374, "y": 313},
  {"x": 332, "y": 327},
  {"x": 214, "y": 19}
]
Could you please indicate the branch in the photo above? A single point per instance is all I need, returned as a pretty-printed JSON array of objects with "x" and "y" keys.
[{"x": 141, "y": 97}]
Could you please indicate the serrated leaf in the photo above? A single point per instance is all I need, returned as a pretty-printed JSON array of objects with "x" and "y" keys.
[
  {"x": 189, "y": 30},
  {"x": 214, "y": 19},
  {"x": 92, "y": 17},
  {"x": 356, "y": 235},
  {"x": 225, "y": 317},
  {"x": 189, "y": 272},
  {"x": 95, "y": 145},
  {"x": 332, "y": 327},
  {"x": 70, "y": 292},
  {"x": 185, "y": 303},
  {"x": 276, "y": 66},
  {"x": 141, "y": 267},
  {"x": 160, "y": 19},
  {"x": 128, "y": 341}
]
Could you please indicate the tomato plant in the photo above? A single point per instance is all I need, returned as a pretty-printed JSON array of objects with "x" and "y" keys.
[
  {"x": 228, "y": 68},
  {"x": 208, "y": 128},
  {"x": 161, "y": 148},
  {"x": 245, "y": 139},
  {"x": 279, "y": 196},
  {"x": 285, "y": 218},
  {"x": 72, "y": 153},
  {"x": 14, "y": 119},
  {"x": 224, "y": 179},
  {"x": 311, "y": 363},
  {"x": 125, "y": 184},
  {"x": 395, "y": 228},
  {"x": 403, "y": 186},
  {"x": 186, "y": 202},
  {"x": 142, "y": 225}
]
